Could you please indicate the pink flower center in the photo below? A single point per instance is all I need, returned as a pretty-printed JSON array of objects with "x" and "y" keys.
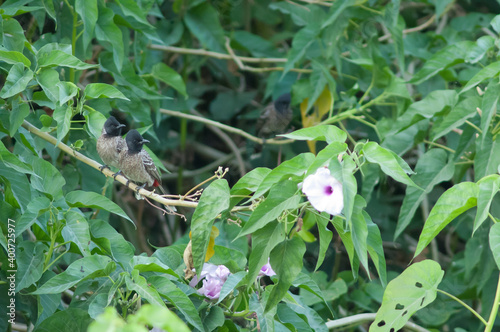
[{"x": 328, "y": 190}]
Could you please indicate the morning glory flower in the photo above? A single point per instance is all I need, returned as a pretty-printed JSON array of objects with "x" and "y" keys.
[
  {"x": 213, "y": 276},
  {"x": 267, "y": 270},
  {"x": 324, "y": 192}
]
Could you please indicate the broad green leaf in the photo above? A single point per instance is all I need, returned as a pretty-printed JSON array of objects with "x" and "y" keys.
[
  {"x": 301, "y": 15},
  {"x": 488, "y": 188},
  {"x": 426, "y": 108},
  {"x": 178, "y": 298},
  {"x": 30, "y": 259},
  {"x": 388, "y": 162},
  {"x": 375, "y": 248},
  {"x": 263, "y": 241},
  {"x": 203, "y": 22},
  {"x": 87, "y": 9},
  {"x": 158, "y": 317},
  {"x": 359, "y": 231},
  {"x": 107, "y": 32},
  {"x": 49, "y": 179},
  {"x": 103, "y": 90},
  {"x": 325, "y": 236},
  {"x": 289, "y": 317},
  {"x": 295, "y": 166},
  {"x": 170, "y": 77},
  {"x": 266, "y": 319},
  {"x": 50, "y": 9},
  {"x": 76, "y": 230},
  {"x": 17, "y": 80},
  {"x": 151, "y": 264},
  {"x": 487, "y": 72},
  {"x": 305, "y": 282},
  {"x": 331, "y": 151},
  {"x": 34, "y": 208},
  {"x": 489, "y": 105},
  {"x": 286, "y": 260},
  {"x": 283, "y": 196},
  {"x": 214, "y": 319},
  {"x": 456, "y": 117},
  {"x": 487, "y": 158},
  {"x": 132, "y": 9},
  {"x": 12, "y": 161},
  {"x": 312, "y": 319},
  {"x": 452, "y": 203},
  {"x": 16, "y": 118},
  {"x": 63, "y": 114},
  {"x": 13, "y": 57},
  {"x": 447, "y": 57},
  {"x": 58, "y": 58},
  {"x": 81, "y": 269},
  {"x": 346, "y": 237},
  {"x": 495, "y": 242},
  {"x": 349, "y": 184},
  {"x": 411, "y": 291},
  {"x": 328, "y": 133},
  {"x": 67, "y": 90},
  {"x": 48, "y": 79},
  {"x": 139, "y": 284},
  {"x": 71, "y": 319},
  {"x": 80, "y": 198},
  {"x": 248, "y": 183},
  {"x": 337, "y": 9},
  {"x": 213, "y": 201},
  {"x": 95, "y": 122},
  {"x": 111, "y": 242},
  {"x": 233, "y": 281},
  {"x": 432, "y": 168}
]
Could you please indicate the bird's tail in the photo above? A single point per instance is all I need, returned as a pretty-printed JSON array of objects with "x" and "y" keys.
[{"x": 163, "y": 192}]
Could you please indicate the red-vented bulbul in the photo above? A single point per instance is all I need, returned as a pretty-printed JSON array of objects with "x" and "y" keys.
[
  {"x": 136, "y": 163},
  {"x": 111, "y": 143},
  {"x": 275, "y": 117}
]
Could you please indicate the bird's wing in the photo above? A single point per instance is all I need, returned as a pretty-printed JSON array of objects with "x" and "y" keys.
[{"x": 150, "y": 166}]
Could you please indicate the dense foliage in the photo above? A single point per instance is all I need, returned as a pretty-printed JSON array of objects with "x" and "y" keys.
[{"x": 397, "y": 99}]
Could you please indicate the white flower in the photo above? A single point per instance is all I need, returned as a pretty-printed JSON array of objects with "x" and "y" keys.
[{"x": 324, "y": 192}]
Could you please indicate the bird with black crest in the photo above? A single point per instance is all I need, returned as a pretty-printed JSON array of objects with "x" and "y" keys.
[{"x": 111, "y": 143}]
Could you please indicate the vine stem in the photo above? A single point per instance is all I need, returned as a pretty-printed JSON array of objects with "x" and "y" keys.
[
  {"x": 474, "y": 312},
  {"x": 366, "y": 318},
  {"x": 494, "y": 310}
]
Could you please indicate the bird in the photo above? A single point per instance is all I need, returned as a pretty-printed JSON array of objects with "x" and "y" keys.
[
  {"x": 110, "y": 144},
  {"x": 275, "y": 118},
  {"x": 136, "y": 163}
]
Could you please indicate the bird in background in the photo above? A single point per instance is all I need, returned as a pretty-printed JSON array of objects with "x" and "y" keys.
[
  {"x": 136, "y": 163},
  {"x": 110, "y": 144},
  {"x": 275, "y": 118}
]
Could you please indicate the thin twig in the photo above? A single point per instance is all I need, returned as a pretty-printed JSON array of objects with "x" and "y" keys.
[
  {"x": 366, "y": 318},
  {"x": 225, "y": 127}
]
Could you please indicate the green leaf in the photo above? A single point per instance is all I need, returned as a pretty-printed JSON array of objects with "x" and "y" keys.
[
  {"x": 263, "y": 241},
  {"x": 488, "y": 188},
  {"x": 12, "y": 161},
  {"x": 48, "y": 79},
  {"x": 170, "y": 77},
  {"x": 213, "y": 201},
  {"x": 158, "y": 317},
  {"x": 108, "y": 33},
  {"x": 283, "y": 196},
  {"x": 178, "y": 298},
  {"x": 13, "y": 57},
  {"x": 376, "y": 248},
  {"x": 233, "y": 281},
  {"x": 390, "y": 163},
  {"x": 323, "y": 158},
  {"x": 359, "y": 231},
  {"x": 63, "y": 114},
  {"x": 67, "y": 90},
  {"x": 111, "y": 242},
  {"x": 76, "y": 230},
  {"x": 139, "y": 284},
  {"x": 411, "y": 291},
  {"x": 489, "y": 105},
  {"x": 72, "y": 319},
  {"x": 87, "y": 9},
  {"x": 16, "y": 118},
  {"x": 132, "y": 9},
  {"x": 346, "y": 237},
  {"x": 80, "y": 198},
  {"x": 94, "y": 122},
  {"x": 450, "y": 205},
  {"x": 328, "y": 133},
  {"x": 103, "y": 90},
  {"x": 266, "y": 319},
  {"x": 30, "y": 260},
  {"x": 295, "y": 166},
  {"x": 325, "y": 236},
  {"x": 495, "y": 242},
  {"x": 487, "y": 72},
  {"x": 151, "y": 264},
  {"x": 487, "y": 158},
  {"x": 17, "y": 80},
  {"x": 89, "y": 267},
  {"x": 426, "y": 108},
  {"x": 248, "y": 183},
  {"x": 447, "y": 57},
  {"x": 301, "y": 42},
  {"x": 336, "y": 10},
  {"x": 286, "y": 260},
  {"x": 203, "y": 22},
  {"x": 432, "y": 168},
  {"x": 58, "y": 58},
  {"x": 49, "y": 180},
  {"x": 456, "y": 117}
]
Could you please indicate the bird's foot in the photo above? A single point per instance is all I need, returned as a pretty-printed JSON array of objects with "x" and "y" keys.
[
  {"x": 140, "y": 187},
  {"x": 102, "y": 167},
  {"x": 116, "y": 174}
]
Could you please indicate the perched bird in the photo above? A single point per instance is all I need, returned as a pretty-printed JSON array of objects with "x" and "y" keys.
[
  {"x": 275, "y": 117},
  {"x": 110, "y": 143},
  {"x": 136, "y": 163}
]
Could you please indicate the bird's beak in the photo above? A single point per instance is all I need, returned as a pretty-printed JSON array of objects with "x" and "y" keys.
[
  {"x": 144, "y": 141},
  {"x": 121, "y": 125}
]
